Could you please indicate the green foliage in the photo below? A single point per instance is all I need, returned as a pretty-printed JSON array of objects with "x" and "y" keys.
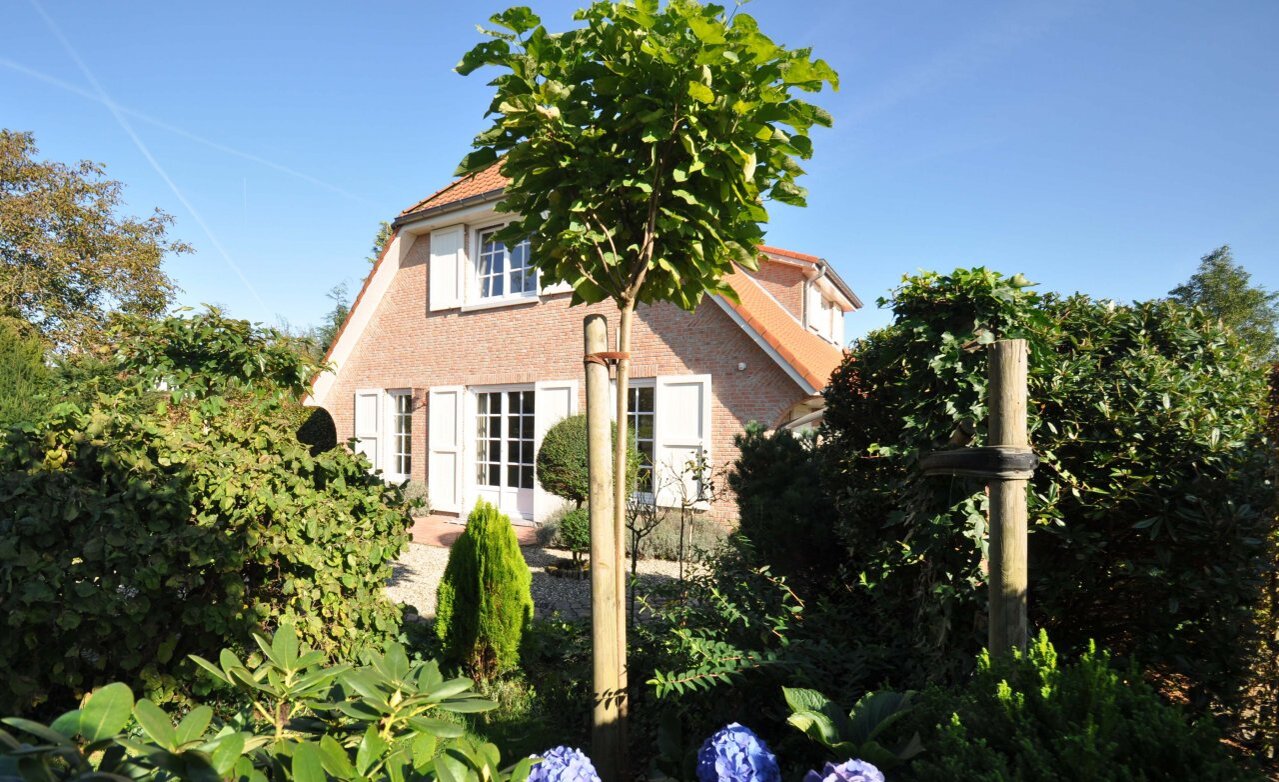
[
  {"x": 783, "y": 508},
  {"x": 1147, "y": 512},
  {"x": 574, "y": 532},
  {"x": 385, "y": 719},
  {"x": 68, "y": 260},
  {"x": 25, "y": 379},
  {"x": 484, "y": 601},
  {"x": 857, "y": 734},
  {"x": 318, "y": 431},
  {"x": 1032, "y": 718},
  {"x": 1225, "y": 290},
  {"x": 562, "y": 460},
  {"x": 142, "y": 526},
  {"x": 642, "y": 143}
]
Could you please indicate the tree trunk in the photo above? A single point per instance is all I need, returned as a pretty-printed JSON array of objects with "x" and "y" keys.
[
  {"x": 608, "y": 742},
  {"x": 620, "y": 491}
]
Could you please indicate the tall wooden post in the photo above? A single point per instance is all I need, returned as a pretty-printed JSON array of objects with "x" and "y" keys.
[
  {"x": 606, "y": 737},
  {"x": 1007, "y": 428}
]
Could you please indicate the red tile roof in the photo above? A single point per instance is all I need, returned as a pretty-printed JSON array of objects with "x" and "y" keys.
[
  {"x": 490, "y": 180},
  {"x": 809, "y": 355},
  {"x": 791, "y": 254}
]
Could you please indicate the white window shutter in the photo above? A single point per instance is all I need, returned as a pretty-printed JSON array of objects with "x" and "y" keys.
[
  {"x": 555, "y": 400},
  {"x": 682, "y": 404},
  {"x": 446, "y": 275},
  {"x": 444, "y": 448},
  {"x": 368, "y": 425}
]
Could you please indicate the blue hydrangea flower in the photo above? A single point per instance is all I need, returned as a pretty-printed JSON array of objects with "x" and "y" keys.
[
  {"x": 564, "y": 764},
  {"x": 848, "y": 771},
  {"x": 736, "y": 754}
]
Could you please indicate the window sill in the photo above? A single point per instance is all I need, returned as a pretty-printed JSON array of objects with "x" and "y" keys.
[{"x": 498, "y": 303}]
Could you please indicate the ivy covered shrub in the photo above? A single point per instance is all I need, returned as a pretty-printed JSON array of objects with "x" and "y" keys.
[
  {"x": 783, "y": 508},
  {"x": 484, "y": 602},
  {"x": 140, "y": 526},
  {"x": 1031, "y": 717},
  {"x": 1148, "y": 512}
]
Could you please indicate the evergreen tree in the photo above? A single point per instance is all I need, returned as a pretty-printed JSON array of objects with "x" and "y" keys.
[
  {"x": 484, "y": 602},
  {"x": 1225, "y": 290}
]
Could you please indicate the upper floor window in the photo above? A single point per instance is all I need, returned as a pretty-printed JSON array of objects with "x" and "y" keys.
[{"x": 503, "y": 271}]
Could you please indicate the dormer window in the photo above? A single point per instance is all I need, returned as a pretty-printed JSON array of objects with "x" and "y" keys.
[{"x": 502, "y": 271}]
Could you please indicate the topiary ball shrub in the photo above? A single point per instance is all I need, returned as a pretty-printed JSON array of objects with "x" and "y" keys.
[
  {"x": 1032, "y": 718},
  {"x": 562, "y": 460},
  {"x": 484, "y": 602}
]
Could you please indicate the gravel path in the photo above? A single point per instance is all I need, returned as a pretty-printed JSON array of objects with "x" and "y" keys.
[{"x": 417, "y": 576}]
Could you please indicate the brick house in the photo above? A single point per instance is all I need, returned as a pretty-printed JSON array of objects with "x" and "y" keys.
[{"x": 454, "y": 361}]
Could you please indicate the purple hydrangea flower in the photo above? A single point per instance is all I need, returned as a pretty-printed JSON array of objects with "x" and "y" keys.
[
  {"x": 564, "y": 764},
  {"x": 848, "y": 771},
  {"x": 736, "y": 754}
]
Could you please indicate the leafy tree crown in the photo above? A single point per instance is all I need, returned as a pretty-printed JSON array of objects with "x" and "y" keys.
[{"x": 641, "y": 147}]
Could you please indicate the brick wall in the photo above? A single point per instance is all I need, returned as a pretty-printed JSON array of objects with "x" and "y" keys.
[
  {"x": 785, "y": 282},
  {"x": 407, "y": 346}
]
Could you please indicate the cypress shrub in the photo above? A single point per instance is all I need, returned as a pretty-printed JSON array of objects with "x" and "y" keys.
[{"x": 484, "y": 601}]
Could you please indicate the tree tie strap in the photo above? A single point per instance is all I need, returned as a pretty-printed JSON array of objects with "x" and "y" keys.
[{"x": 606, "y": 358}]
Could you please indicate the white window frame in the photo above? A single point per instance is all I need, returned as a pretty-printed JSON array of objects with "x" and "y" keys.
[
  {"x": 394, "y": 438},
  {"x": 473, "y": 298},
  {"x": 651, "y": 383}
]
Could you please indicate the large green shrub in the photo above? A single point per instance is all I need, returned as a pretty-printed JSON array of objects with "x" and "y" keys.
[
  {"x": 24, "y": 377},
  {"x": 484, "y": 601},
  {"x": 783, "y": 509},
  {"x": 1033, "y": 718},
  {"x": 384, "y": 719},
  {"x": 562, "y": 460},
  {"x": 1147, "y": 512},
  {"x": 141, "y": 526}
]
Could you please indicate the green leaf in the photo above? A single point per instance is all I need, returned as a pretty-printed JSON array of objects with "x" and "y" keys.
[
  {"x": 335, "y": 758},
  {"x": 193, "y": 725},
  {"x": 156, "y": 724},
  {"x": 226, "y": 751},
  {"x": 308, "y": 763},
  {"x": 700, "y": 92},
  {"x": 106, "y": 712}
]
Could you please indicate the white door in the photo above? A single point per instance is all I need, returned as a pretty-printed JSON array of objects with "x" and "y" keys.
[{"x": 505, "y": 442}]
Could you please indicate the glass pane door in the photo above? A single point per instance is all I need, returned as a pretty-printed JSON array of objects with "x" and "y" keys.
[{"x": 504, "y": 440}]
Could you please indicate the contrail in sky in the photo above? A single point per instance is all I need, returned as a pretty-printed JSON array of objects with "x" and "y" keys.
[
  {"x": 174, "y": 129},
  {"x": 155, "y": 164}
]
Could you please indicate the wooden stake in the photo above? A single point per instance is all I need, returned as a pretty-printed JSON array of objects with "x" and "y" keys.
[
  {"x": 1007, "y": 427},
  {"x": 607, "y": 745}
]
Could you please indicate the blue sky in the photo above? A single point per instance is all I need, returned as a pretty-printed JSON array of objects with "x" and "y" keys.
[{"x": 1094, "y": 146}]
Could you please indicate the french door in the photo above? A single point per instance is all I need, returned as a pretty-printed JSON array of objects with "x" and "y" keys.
[{"x": 504, "y": 450}]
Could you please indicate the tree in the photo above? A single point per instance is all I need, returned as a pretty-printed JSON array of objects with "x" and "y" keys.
[
  {"x": 1223, "y": 288},
  {"x": 322, "y": 336},
  {"x": 484, "y": 602},
  {"x": 67, "y": 259},
  {"x": 384, "y": 233},
  {"x": 24, "y": 376},
  {"x": 640, "y": 149}
]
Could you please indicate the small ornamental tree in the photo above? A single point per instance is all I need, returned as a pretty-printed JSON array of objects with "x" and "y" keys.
[
  {"x": 484, "y": 602},
  {"x": 641, "y": 147}
]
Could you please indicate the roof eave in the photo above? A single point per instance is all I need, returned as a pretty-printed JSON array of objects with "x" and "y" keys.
[{"x": 452, "y": 206}]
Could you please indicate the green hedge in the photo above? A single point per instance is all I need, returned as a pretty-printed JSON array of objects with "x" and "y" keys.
[{"x": 144, "y": 527}]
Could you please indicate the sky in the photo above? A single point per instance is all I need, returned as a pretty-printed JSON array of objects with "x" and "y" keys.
[{"x": 1100, "y": 146}]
